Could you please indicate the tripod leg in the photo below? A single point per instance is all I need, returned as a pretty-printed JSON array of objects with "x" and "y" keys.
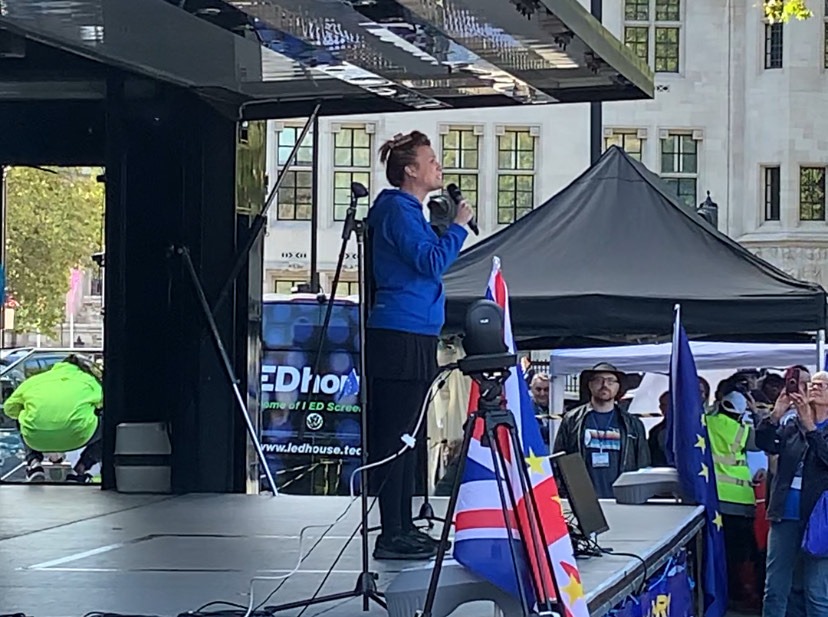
[
  {"x": 501, "y": 467},
  {"x": 538, "y": 533},
  {"x": 228, "y": 366},
  {"x": 431, "y": 594}
]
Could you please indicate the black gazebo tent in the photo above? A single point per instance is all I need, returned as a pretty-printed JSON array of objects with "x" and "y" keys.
[{"x": 613, "y": 252}]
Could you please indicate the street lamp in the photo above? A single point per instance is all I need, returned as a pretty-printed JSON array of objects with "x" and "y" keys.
[{"x": 709, "y": 211}]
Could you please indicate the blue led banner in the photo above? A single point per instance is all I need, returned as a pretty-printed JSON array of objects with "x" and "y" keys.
[{"x": 322, "y": 458}]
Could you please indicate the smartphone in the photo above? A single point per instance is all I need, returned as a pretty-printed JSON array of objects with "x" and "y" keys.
[{"x": 792, "y": 380}]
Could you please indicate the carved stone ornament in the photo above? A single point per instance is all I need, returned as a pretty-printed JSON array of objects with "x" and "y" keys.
[{"x": 804, "y": 263}]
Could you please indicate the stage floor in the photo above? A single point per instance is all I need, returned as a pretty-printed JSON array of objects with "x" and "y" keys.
[{"x": 67, "y": 551}]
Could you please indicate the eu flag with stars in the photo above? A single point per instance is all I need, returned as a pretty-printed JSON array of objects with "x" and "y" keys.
[
  {"x": 349, "y": 386},
  {"x": 690, "y": 445}
]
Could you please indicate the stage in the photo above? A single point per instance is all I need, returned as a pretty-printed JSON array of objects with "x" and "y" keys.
[{"x": 72, "y": 550}]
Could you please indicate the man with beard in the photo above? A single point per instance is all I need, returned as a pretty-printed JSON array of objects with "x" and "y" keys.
[{"x": 611, "y": 441}]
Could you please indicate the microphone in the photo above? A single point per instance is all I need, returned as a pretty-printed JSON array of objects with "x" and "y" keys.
[{"x": 457, "y": 197}]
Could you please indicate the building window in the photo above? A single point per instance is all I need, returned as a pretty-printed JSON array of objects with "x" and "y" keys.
[
  {"x": 296, "y": 192},
  {"x": 286, "y": 286},
  {"x": 516, "y": 154},
  {"x": 461, "y": 162},
  {"x": 811, "y": 193},
  {"x": 679, "y": 166},
  {"x": 628, "y": 141},
  {"x": 773, "y": 189},
  {"x": 773, "y": 46},
  {"x": 352, "y": 163},
  {"x": 652, "y": 30}
]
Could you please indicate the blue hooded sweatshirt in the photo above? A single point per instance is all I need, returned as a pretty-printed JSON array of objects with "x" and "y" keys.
[{"x": 409, "y": 260}]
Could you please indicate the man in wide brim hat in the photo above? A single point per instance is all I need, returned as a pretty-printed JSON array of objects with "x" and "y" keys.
[
  {"x": 602, "y": 367},
  {"x": 610, "y": 440}
]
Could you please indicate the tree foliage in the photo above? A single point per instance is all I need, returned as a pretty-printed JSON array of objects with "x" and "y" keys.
[
  {"x": 53, "y": 224},
  {"x": 781, "y": 11}
]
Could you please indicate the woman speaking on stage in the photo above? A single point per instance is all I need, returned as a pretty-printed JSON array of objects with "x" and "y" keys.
[{"x": 408, "y": 261}]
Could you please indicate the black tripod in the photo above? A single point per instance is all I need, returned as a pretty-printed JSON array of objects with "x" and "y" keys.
[
  {"x": 500, "y": 436},
  {"x": 366, "y": 586}
]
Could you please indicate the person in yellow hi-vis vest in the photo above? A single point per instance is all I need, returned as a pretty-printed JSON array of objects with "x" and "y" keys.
[{"x": 729, "y": 427}]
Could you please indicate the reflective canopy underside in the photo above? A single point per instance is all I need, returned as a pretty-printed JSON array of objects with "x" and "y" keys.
[{"x": 353, "y": 56}]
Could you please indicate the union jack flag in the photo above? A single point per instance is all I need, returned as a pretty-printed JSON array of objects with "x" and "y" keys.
[{"x": 481, "y": 540}]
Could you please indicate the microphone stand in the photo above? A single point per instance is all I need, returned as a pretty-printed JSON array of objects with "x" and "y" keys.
[
  {"x": 366, "y": 586},
  {"x": 351, "y": 225}
]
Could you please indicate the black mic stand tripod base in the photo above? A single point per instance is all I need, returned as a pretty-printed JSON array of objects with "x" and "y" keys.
[
  {"x": 500, "y": 423},
  {"x": 426, "y": 509},
  {"x": 366, "y": 585}
]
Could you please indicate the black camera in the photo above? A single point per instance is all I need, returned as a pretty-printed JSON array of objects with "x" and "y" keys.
[
  {"x": 443, "y": 211},
  {"x": 487, "y": 356}
]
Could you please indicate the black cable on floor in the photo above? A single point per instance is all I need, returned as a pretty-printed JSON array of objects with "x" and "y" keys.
[{"x": 200, "y": 609}]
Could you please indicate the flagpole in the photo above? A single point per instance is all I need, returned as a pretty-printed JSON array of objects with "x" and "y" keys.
[{"x": 673, "y": 354}]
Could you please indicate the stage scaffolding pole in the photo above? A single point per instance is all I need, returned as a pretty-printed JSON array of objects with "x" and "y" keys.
[{"x": 314, "y": 239}]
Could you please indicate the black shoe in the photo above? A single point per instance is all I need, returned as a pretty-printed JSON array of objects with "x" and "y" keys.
[
  {"x": 403, "y": 547},
  {"x": 35, "y": 473},
  {"x": 79, "y": 478},
  {"x": 418, "y": 535}
]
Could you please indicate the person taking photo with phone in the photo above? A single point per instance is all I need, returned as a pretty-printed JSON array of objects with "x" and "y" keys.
[{"x": 795, "y": 434}]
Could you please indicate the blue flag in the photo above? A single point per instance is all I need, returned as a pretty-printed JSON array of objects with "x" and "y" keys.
[
  {"x": 690, "y": 445},
  {"x": 349, "y": 386}
]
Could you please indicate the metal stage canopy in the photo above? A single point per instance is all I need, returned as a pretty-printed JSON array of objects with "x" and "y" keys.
[
  {"x": 271, "y": 58},
  {"x": 157, "y": 92}
]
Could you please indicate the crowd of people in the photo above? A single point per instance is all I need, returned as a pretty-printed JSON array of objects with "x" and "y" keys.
[{"x": 772, "y": 570}]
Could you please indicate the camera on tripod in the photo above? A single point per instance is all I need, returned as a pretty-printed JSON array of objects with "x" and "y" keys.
[
  {"x": 487, "y": 357},
  {"x": 489, "y": 363}
]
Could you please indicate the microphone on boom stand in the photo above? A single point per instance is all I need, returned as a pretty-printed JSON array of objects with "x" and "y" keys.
[
  {"x": 350, "y": 226},
  {"x": 366, "y": 585}
]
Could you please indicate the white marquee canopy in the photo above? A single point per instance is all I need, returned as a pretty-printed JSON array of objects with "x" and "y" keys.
[{"x": 708, "y": 356}]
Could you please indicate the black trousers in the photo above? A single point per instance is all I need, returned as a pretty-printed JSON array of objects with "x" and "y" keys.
[
  {"x": 92, "y": 452},
  {"x": 743, "y": 573},
  {"x": 401, "y": 367}
]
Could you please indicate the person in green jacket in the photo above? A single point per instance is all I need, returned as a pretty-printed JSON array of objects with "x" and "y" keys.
[{"x": 58, "y": 411}]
